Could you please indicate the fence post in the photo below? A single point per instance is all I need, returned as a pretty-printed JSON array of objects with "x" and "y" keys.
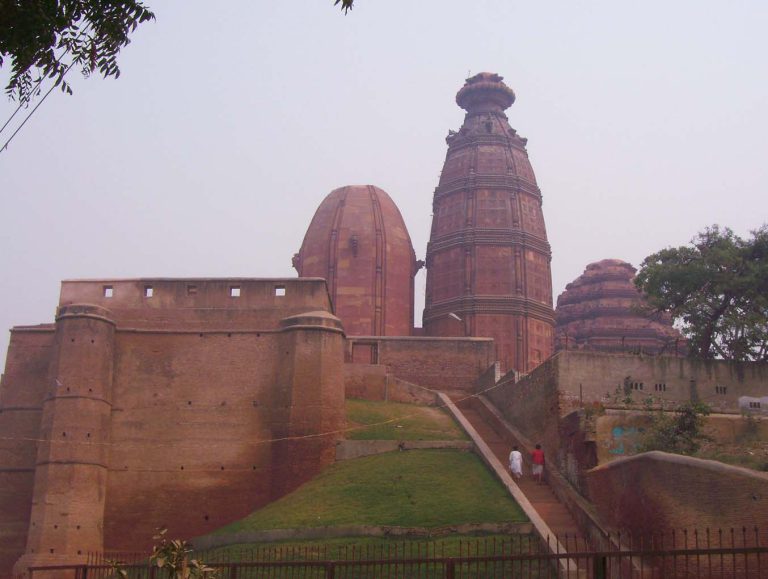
[
  {"x": 599, "y": 567},
  {"x": 85, "y": 572},
  {"x": 233, "y": 571},
  {"x": 330, "y": 571},
  {"x": 450, "y": 570}
]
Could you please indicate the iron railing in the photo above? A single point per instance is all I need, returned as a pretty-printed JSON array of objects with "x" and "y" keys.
[{"x": 719, "y": 554}]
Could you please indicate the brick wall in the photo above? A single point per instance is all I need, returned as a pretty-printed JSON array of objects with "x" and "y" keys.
[
  {"x": 655, "y": 491},
  {"x": 532, "y": 404},
  {"x": 200, "y": 303},
  {"x": 725, "y": 386},
  {"x": 212, "y": 409},
  {"x": 21, "y": 401},
  {"x": 440, "y": 363}
]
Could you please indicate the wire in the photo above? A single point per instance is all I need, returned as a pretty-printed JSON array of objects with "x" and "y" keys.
[
  {"x": 254, "y": 442},
  {"x": 37, "y": 106},
  {"x": 26, "y": 101}
]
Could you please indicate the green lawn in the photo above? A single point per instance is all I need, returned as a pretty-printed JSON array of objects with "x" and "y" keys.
[
  {"x": 396, "y": 421},
  {"x": 425, "y": 488}
]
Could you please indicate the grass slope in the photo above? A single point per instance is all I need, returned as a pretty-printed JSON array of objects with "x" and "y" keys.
[
  {"x": 396, "y": 421},
  {"x": 426, "y": 488}
]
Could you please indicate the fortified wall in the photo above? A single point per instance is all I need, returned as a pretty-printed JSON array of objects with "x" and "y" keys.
[
  {"x": 559, "y": 403},
  {"x": 163, "y": 402}
]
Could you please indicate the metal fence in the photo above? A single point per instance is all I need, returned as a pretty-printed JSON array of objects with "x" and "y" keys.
[{"x": 721, "y": 554}]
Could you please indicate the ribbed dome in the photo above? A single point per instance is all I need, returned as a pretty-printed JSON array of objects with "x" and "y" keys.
[
  {"x": 488, "y": 259},
  {"x": 358, "y": 242},
  {"x": 602, "y": 310}
]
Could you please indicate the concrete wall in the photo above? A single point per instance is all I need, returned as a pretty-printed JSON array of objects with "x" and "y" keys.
[
  {"x": 725, "y": 386},
  {"x": 657, "y": 491},
  {"x": 182, "y": 410},
  {"x": 441, "y": 363}
]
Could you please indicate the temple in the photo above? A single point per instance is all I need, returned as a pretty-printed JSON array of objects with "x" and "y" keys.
[
  {"x": 357, "y": 241},
  {"x": 488, "y": 258},
  {"x": 603, "y": 311}
]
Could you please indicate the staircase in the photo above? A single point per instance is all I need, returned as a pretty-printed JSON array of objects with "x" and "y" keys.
[{"x": 550, "y": 509}]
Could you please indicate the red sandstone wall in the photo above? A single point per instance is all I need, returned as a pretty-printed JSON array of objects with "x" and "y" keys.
[
  {"x": 21, "y": 399},
  {"x": 654, "y": 491},
  {"x": 366, "y": 381},
  {"x": 202, "y": 303},
  {"x": 198, "y": 391},
  {"x": 189, "y": 412},
  {"x": 439, "y": 363}
]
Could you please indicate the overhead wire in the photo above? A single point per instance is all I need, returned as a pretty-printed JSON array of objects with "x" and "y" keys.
[
  {"x": 199, "y": 443},
  {"x": 35, "y": 90}
]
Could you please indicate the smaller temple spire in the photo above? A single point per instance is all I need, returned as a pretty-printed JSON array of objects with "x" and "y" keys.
[{"x": 485, "y": 92}]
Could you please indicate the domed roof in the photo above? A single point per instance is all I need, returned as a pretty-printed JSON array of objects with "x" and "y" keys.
[
  {"x": 602, "y": 310},
  {"x": 358, "y": 242}
]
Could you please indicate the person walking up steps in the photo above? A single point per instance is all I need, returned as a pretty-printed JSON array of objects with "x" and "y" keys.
[
  {"x": 537, "y": 458},
  {"x": 516, "y": 463}
]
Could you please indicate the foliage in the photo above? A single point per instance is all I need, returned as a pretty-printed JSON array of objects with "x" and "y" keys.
[
  {"x": 678, "y": 431},
  {"x": 35, "y": 35},
  {"x": 171, "y": 556},
  {"x": 415, "y": 488},
  {"x": 346, "y": 5},
  {"x": 372, "y": 420},
  {"x": 717, "y": 289}
]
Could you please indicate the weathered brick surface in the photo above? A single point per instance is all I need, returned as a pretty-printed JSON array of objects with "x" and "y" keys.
[
  {"x": 358, "y": 241},
  {"x": 488, "y": 258},
  {"x": 21, "y": 405},
  {"x": 188, "y": 411},
  {"x": 586, "y": 377},
  {"x": 602, "y": 310},
  {"x": 655, "y": 491},
  {"x": 441, "y": 363}
]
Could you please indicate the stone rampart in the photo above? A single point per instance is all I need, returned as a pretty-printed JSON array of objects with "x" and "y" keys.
[
  {"x": 177, "y": 409},
  {"x": 656, "y": 491}
]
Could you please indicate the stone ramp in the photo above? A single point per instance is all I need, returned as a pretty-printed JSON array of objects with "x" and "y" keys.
[
  {"x": 495, "y": 457},
  {"x": 541, "y": 496}
]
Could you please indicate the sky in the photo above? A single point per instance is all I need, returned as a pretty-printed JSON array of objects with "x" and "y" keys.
[{"x": 646, "y": 122}]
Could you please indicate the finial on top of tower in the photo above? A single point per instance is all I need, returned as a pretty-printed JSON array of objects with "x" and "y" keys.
[{"x": 484, "y": 92}]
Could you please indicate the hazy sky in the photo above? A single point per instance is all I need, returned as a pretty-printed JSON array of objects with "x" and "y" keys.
[{"x": 231, "y": 122}]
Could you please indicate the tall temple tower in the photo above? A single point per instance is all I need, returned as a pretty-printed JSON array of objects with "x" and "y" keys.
[{"x": 488, "y": 258}]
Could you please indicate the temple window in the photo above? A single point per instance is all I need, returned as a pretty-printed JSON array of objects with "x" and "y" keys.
[
  {"x": 234, "y": 291},
  {"x": 148, "y": 291},
  {"x": 721, "y": 389},
  {"x": 279, "y": 290},
  {"x": 109, "y": 291}
]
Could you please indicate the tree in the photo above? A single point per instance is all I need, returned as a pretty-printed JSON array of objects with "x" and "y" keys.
[
  {"x": 44, "y": 38},
  {"x": 678, "y": 432},
  {"x": 716, "y": 288},
  {"x": 346, "y": 5}
]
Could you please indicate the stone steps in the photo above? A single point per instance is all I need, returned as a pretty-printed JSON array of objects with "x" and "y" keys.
[{"x": 544, "y": 501}]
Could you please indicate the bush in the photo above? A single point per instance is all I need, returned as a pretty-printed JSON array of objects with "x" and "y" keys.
[{"x": 678, "y": 431}]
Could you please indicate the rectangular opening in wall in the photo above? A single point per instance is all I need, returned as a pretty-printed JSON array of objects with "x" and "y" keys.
[
  {"x": 109, "y": 291},
  {"x": 234, "y": 291},
  {"x": 279, "y": 290},
  {"x": 719, "y": 389},
  {"x": 148, "y": 291},
  {"x": 191, "y": 290}
]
